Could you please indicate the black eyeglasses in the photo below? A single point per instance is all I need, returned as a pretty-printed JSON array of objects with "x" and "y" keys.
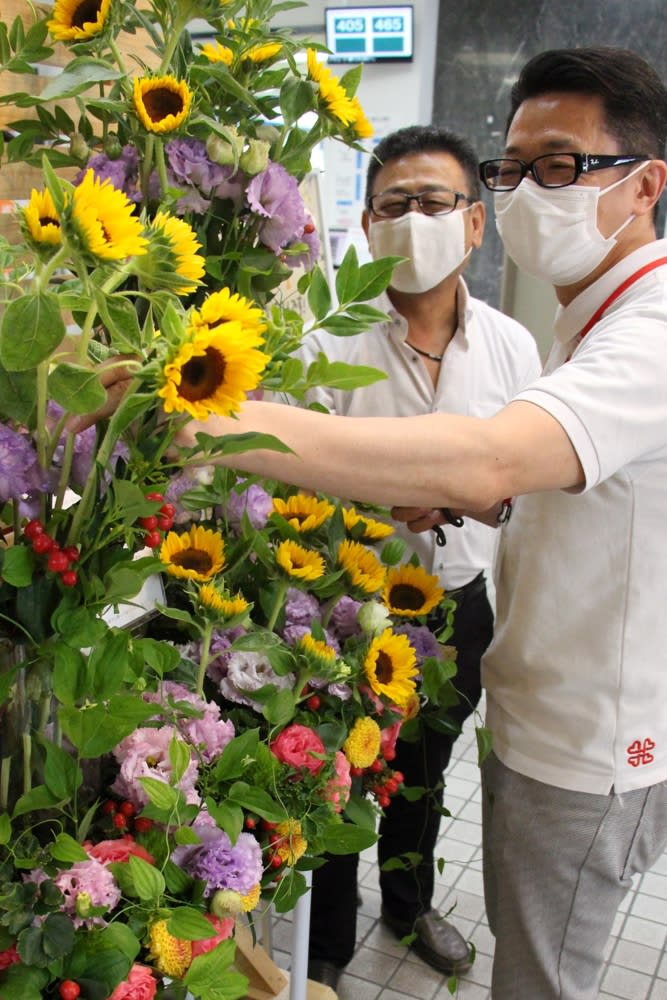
[
  {"x": 394, "y": 204},
  {"x": 553, "y": 170}
]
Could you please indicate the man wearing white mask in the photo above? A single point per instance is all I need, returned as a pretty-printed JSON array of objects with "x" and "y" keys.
[{"x": 442, "y": 350}]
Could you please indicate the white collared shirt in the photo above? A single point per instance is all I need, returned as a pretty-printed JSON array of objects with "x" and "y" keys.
[
  {"x": 488, "y": 360},
  {"x": 576, "y": 676}
]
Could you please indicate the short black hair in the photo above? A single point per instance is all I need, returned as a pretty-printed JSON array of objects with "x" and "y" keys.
[
  {"x": 633, "y": 95},
  {"x": 424, "y": 139}
]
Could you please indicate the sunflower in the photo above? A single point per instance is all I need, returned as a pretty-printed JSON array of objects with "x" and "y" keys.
[
  {"x": 172, "y": 256},
  {"x": 319, "y": 652},
  {"x": 41, "y": 218},
  {"x": 361, "y": 125},
  {"x": 197, "y": 554},
  {"x": 303, "y": 513},
  {"x": 227, "y": 607},
  {"x": 76, "y": 20},
  {"x": 365, "y": 529},
  {"x": 363, "y": 742},
  {"x": 262, "y": 52},
  {"x": 390, "y": 667},
  {"x": 330, "y": 90},
  {"x": 224, "y": 307},
  {"x": 410, "y": 591},
  {"x": 212, "y": 372},
  {"x": 162, "y": 103},
  {"x": 362, "y": 567},
  {"x": 292, "y": 844},
  {"x": 105, "y": 220},
  {"x": 215, "y": 52},
  {"x": 298, "y": 561}
]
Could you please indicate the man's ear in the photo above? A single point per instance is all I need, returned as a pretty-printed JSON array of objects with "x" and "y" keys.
[
  {"x": 651, "y": 185},
  {"x": 365, "y": 222},
  {"x": 477, "y": 222}
]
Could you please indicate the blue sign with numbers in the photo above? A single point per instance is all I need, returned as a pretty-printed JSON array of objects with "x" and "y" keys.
[{"x": 369, "y": 34}]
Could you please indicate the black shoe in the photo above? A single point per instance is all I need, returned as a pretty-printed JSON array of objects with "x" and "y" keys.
[
  {"x": 321, "y": 971},
  {"x": 437, "y": 942}
]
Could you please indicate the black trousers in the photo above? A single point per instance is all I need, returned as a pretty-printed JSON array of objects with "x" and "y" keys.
[{"x": 407, "y": 826}]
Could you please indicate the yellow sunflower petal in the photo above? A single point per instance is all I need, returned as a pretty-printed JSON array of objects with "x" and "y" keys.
[
  {"x": 215, "y": 52},
  {"x": 162, "y": 103},
  {"x": 76, "y": 20},
  {"x": 173, "y": 253},
  {"x": 303, "y": 513},
  {"x": 223, "y": 306},
  {"x": 197, "y": 554},
  {"x": 41, "y": 219},
  {"x": 365, "y": 528},
  {"x": 410, "y": 591},
  {"x": 363, "y": 569},
  {"x": 390, "y": 666}
]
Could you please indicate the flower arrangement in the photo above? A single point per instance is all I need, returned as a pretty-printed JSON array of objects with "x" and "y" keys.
[{"x": 160, "y": 778}]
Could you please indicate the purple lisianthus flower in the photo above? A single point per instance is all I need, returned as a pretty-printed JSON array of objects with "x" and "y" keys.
[
  {"x": 309, "y": 257},
  {"x": 179, "y": 485},
  {"x": 83, "y": 455},
  {"x": 343, "y": 619},
  {"x": 254, "y": 501},
  {"x": 189, "y": 166},
  {"x": 20, "y": 472},
  {"x": 123, "y": 171},
  {"x": 220, "y": 864},
  {"x": 422, "y": 641},
  {"x": 340, "y": 690},
  {"x": 301, "y": 608},
  {"x": 247, "y": 672},
  {"x": 219, "y": 651},
  {"x": 274, "y": 195}
]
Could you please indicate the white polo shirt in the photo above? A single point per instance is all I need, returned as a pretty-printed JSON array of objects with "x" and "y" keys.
[
  {"x": 576, "y": 676},
  {"x": 489, "y": 359}
]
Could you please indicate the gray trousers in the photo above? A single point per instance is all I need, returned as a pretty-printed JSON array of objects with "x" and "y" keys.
[{"x": 556, "y": 866}]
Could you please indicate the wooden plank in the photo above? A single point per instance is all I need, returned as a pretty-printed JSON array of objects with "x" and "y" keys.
[{"x": 265, "y": 979}]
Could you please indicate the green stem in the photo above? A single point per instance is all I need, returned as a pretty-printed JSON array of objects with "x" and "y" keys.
[
  {"x": 5, "y": 775},
  {"x": 42, "y": 399},
  {"x": 65, "y": 471},
  {"x": 27, "y": 763},
  {"x": 45, "y": 275},
  {"x": 147, "y": 166},
  {"x": 204, "y": 657},
  {"x": 117, "y": 56},
  {"x": 177, "y": 28},
  {"x": 161, "y": 167},
  {"x": 277, "y": 604}
]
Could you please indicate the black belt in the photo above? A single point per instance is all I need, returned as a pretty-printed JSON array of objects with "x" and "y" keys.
[{"x": 474, "y": 588}]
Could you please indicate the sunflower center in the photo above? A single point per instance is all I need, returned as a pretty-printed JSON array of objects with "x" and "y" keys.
[
  {"x": 201, "y": 376},
  {"x": 162, "y": 102},
  {"x": 195, "y": 559},
  {"x": 46, "y": 220},
  {"x": 384, "y": 668},
  {"x": 85, "y": 12},
  {"x": 404, "y": 595}
]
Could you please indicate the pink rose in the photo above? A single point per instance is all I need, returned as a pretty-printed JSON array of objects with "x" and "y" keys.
[
  {"x": 139, "y": 985},
  {"x": 337, "y": 790},
  {"x": 296, "y": 746},
  {"x": 8, "y": 957},
  {"x": 119, "y": 849},
  {"x": 223, "y": 927}
]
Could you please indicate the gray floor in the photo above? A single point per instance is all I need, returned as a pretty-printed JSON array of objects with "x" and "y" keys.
[{"x": 384, "y": 970}]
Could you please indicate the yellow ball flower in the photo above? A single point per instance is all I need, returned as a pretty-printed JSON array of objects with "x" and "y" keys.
[
  {"x": 171, "y": 955},
  {"x": 363, "y": 742}
]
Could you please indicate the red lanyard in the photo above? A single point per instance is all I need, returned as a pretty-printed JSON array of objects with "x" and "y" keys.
[{"x": 623, "y": 287}]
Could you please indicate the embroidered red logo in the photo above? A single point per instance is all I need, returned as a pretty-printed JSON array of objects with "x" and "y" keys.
[{"x": 640, "y": 752}]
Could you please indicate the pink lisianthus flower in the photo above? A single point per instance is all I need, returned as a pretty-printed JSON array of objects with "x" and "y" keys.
[
  {"x": 207, "y": 733},
  {"x": 87, "y": 885},
  {"x": 120, "y": 849},
  {"x": 296, "y": 746},
  {"x": 223, "y": 927},
  {"x": 337, "y": 790},
  {"x": 139, "y": 985},
  {"x": 9, "y": 956},
  {"x": 145, "y": 754}
]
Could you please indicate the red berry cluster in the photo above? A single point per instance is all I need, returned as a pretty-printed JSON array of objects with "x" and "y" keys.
[
  {"x": 123, "y": 816},
  {"x": 379, "y": 780},
  {"x": 269, "y": 839},
  {"x": 155, "y": 524},
  {"x": 58, "y": 560}
]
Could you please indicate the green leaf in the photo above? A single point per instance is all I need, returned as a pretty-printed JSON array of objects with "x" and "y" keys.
[
  {"x": 340, "y": 375},
  {"x": 5, "y": 828},
  {"x": 179, "y": 756},
  {"x": 374, "y": 277},
  {"x": 18, "y": 565},
  {"x": 256, "y": 800},
  {"x": 120, "y": 318},
  {"x": 344, "y": 838},
  {"x": 360, "y": 811},
  {"x": 484, "y": 743},
  {"x": 228, "y": 816},
  {"x": 211, "y": 978},
  {"x": 96, "y": 729},
  {"x": 62, "y": 775},
  {"x": 288, "y": 892},
  {"x": 162, "y": 657},
  {"x": 23, "y": 982},
  {"x": 79, "y": 76},
  {"x": 37, "y": 798},
  {"x": 296, "y": 97},
  {"x": 319, "y": 295},
  {"x": 347, "y": 276},
  {"x": 18, "y": 395},
  {"x": 107, "y": 664},
  {"x": 76, "y": 389},
  {"x": 32, "y": 328},
  {"x": 189, "y": 924},
  {"x": 148, "y": 881},
  {"x": 69, "y": 674},
  {"x": 66, "y": 848},
  {"x": 160, "y": 794},
  {"x": 236, "y": 756},
  {"x": 234, "y": 444},
  {"x": 53, "y": 939},
  {"x": 280, "y": 707}
]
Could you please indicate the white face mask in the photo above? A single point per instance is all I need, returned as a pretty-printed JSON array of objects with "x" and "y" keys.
[
  {"x": 434, "y": 244},
  {"x": 552, "y": 233}
]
